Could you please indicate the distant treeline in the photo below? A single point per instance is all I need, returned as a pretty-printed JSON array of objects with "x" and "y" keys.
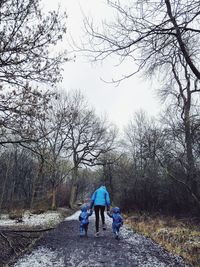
[
  {"x": 147, "y": 170},
  {"x": 55, "y": 149}
]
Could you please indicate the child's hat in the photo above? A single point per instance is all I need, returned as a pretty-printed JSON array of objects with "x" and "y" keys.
[
  {"x": 116, "y": 210},
  {"x": 84, "y": 208}
]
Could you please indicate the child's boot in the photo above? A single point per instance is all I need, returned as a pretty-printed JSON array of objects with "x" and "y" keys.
[
  {"x": 117, "y": 236},
  {"x": 81, "y": 232},
  {"x": 86, "y": 234}
]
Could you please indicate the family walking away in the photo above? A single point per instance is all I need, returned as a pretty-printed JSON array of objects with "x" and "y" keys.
[{"x": 100, "y": 201}]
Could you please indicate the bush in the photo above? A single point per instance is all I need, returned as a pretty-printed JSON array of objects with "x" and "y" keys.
[{"x": 16, "y": 215}]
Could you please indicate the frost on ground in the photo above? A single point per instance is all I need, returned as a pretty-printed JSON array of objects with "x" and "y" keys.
[
  {"x": 63, "y": 247},
  {"x": 41, "y": 257},
  {"x": 73, "y": 217},
  {"x": 48, "y": 218}
]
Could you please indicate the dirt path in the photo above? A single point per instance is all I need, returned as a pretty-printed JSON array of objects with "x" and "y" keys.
[{"x": 63, "y": 247}]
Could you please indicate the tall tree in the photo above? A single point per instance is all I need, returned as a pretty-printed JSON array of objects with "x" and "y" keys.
[
  {"x": 162, "y": 37},
  {"x": 142, "y": 30},
  {"x": 182, "y": 86},
  {"x": 55, "y": 129},
  {"x": 89, "y": 137},
  {"x": 186, "y": 89},
  {"x": 20, "y": 111},
  {"x": 28, "y": 37}
]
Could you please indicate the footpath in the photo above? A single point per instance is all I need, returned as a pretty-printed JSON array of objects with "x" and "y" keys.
[{"x": 62, "y": 247}]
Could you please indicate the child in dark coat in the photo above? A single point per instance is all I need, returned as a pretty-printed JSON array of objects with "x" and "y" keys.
[
  {"x": 84, "y": 220},
  {"x": 117, "y": 221}
]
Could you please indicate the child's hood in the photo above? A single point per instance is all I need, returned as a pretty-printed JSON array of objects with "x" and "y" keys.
[
  {"x": 84, "y": 209},
  {"x": 116, "y": 210}
]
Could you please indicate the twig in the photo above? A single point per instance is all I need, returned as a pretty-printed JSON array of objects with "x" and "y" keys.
[
  {"x": 9, "y": 242},
  {"x": 26, "y": 230}
]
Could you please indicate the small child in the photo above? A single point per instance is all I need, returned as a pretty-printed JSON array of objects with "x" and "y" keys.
[
  {"x": 117, "y": 221},
  {"x": 84, "y": 221}
]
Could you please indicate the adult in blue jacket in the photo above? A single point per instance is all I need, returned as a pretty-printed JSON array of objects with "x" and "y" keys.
[{"x": 100, "y": 200}]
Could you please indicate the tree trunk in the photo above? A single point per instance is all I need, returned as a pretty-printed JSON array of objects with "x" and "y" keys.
[
  {"x": 38, "y": 178},
  {"x": 179, "y": 38},
  {"x": 191, "y": 170},
  {"x": 73, "y": 191},
  {"x": 53, "y": 203},
  {"x": 5, "y": 181}
]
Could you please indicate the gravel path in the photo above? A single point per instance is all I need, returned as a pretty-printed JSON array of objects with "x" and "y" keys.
[{"x": 63, "y": 247}]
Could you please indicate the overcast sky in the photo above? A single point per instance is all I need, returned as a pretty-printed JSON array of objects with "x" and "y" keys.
[{"x": 118, "y": 102}]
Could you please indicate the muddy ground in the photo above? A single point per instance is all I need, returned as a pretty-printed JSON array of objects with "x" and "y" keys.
[
  {"x": 63, "y": 247},
  {"x": 13, "y": 244}
]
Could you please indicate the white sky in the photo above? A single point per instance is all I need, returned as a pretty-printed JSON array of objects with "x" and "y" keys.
[{"x": 118, "y": 102}]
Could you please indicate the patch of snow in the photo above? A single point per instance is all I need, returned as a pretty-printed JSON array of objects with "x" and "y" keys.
[
  {"x": 73, "y": 217},
  {"x": 50, "y": 218},
  {"x": 147, "y": 247},
  {"x": 4, "y": 216},
  {"x": 41, "y": 257},
  {"x": 145, "y": 253}
]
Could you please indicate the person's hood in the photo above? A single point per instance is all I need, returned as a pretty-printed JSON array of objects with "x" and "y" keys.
[{"x": 103, "y": 187}]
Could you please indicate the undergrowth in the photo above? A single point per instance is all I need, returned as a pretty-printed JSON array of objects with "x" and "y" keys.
[{"x": 179, "y": 236}]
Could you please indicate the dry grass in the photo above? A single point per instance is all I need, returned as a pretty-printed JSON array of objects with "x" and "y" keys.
[
  {"x": 16, "y": 214},
  {"x": 181, "y": 237}
]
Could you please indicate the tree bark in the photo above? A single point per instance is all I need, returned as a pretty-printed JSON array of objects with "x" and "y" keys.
[
  {"x": 187, "y": 98},
  {"x": 38, "y": 178},
  {"x": 191, "y": 170},
  {"x": 181, "y": 42},
  {"x": 5, "y": 180},
  {"x": 53, "y": 204},
  {"x": 73, "y": 187}
]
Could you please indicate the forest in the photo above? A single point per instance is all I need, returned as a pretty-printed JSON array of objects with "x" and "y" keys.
[{"x": 56, "y": 149}]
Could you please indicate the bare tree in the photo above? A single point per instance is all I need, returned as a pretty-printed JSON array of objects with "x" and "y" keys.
[
  {"x": 27, "y": 38},
  {"x": 187, "y": 87},
  {"x": 19, "y": 111},
  {"x": 144, "y": 30},
  {"x": 58, "y": 150},
  {"x": 4, "y": 182},
  {"x": 162, "y": 37},
  {"x": 89, "y": 137},
  {"x": 17, "y": 173}
]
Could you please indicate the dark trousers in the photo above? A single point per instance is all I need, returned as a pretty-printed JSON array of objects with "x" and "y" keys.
[
  {"x": 99, "y": 209},
  {"x": 83, "y": 229}
]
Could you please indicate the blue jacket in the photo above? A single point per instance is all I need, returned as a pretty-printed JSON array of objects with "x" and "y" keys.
[
  {"x": 117, "y": 218},
  {"x": 83, "y": 217},
  {"x": 100, "y": 197}
]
